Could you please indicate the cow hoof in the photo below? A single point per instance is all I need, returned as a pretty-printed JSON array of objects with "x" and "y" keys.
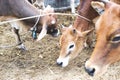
[{"x": 21, "y": 47}]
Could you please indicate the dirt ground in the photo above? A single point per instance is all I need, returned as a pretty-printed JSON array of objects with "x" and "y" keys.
[{"x": 39, "y": 61}]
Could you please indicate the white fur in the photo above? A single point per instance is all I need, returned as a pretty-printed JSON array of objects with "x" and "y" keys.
[
  {"x": 68, "y": 50},
  {"x": 64, "y": 61},
  {"x": 53, "y": 22}
]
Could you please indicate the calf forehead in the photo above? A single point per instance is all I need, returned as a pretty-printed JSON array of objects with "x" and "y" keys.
[{"x": 67, "y": 36}]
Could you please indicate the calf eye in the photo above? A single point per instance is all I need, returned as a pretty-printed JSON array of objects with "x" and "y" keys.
[
  {"x": 116, "y": 39},
  {"x": 71, "y": 46}
]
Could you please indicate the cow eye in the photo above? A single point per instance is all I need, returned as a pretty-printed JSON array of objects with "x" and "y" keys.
[{"x": 116, "y": 39}]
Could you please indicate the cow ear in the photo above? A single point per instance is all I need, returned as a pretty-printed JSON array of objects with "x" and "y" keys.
[
  {"x": 107, "y": 3},
  {"x": 98, "y": 6},
  {"x": 101, "y": 5}
]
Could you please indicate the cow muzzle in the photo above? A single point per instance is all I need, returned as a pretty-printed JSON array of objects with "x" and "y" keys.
[
  {"x": 93, "y": 68},
  {"x": 90, "y": 69}
]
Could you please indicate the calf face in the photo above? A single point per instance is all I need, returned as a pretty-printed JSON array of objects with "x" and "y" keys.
[
  {"x": 71, "y": 43},
  {"x": 48, "y": 23},
  {"x": 51, "y": 22},
  {"x": 50, "y": 18},
  {"x": 107, "y": 48}
]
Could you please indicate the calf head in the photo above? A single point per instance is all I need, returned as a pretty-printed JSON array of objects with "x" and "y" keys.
[
  {"x": 71, "y": 43},
  {"x": 48, "y": 23},
  {"x": 50, "y": 18},
  {"x": 107, "y": 48}
]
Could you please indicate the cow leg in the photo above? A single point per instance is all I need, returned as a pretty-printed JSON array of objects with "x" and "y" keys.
[{"x": 15, "y": 27}]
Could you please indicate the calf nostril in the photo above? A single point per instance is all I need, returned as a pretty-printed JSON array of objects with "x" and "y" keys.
[
  {"x": 90, "y": 71},
  {"x": 60, "y": 64}
]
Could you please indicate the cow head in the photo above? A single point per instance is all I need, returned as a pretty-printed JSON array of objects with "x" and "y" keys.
[
  {"x": 107, "y": 48},
  {"x": 48, "y": 23},
  {"x": 71, "y": 43}
]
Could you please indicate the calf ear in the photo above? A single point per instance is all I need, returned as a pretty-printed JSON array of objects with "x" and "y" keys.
[
  {"x": 86, "y": 32},
  {"x": 63, "y": 28},
  {"x": 70, "y": 26}
]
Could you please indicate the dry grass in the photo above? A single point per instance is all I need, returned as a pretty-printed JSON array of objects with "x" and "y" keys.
[{"x": 39, "y": 62}]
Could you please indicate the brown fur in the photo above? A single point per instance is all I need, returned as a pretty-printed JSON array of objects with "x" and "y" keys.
[
  {"x": 106, "y": 51},
  {"x": 80, "y": 26}
]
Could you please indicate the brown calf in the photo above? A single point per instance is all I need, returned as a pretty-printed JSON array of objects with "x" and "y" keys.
[
  {"x": 74, "y": 37},
  {"x": 107, "y": 48}
]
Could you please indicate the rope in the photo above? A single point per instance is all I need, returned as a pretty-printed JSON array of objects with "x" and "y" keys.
[
  {"x": 37, "y": 21},
  {"x": 64, "y": 14}
]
